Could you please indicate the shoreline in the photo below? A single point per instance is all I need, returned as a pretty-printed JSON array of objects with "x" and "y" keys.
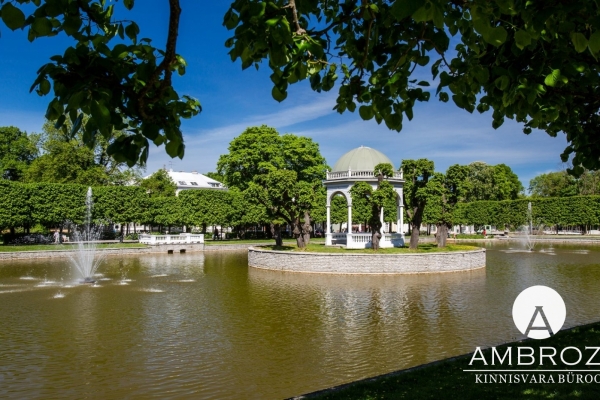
[{"x": 407, "y": 381}]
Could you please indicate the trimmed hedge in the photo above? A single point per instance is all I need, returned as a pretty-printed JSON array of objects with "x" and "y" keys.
[
  {"x": 576, "y": 210},
  {"x": 50, "y": 204}
]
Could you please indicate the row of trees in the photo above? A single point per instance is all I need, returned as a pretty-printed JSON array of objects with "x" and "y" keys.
[{"x": 51, "y": 205}]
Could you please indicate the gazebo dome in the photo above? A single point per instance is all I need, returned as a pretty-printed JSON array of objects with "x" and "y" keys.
[{"x": 361, "y": 159}]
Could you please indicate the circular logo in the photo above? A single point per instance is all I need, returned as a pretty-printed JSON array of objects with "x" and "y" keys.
[{"x": 539, "y": 312}]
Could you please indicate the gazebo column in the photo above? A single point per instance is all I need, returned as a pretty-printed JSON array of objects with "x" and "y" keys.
[
  {"x": 381, "y": 220},
  {"x": 328, "y": 226},
  {"x": 349, "y": 229}
]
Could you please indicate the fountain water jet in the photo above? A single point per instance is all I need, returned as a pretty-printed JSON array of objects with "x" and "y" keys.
[
  {"x": 529, "y": 243},
  {"x": 86, "y": 259}
]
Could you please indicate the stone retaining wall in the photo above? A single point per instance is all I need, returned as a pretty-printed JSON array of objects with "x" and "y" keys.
[
  {"x": 340, "y": 263},
  {"x": 221, "y": 247},
  {"x": 175, "y": 248}
]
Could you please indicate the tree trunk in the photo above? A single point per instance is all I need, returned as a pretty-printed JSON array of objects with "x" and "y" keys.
[
  {"x": 297, "y": 232},
  {"x": 375, "y": 240},
  {"x": 204, "y": 228},
  {"x": 442, "y": 234},
  {"x": 276, "y": 234},
  {"x": 414, "y": 236},
  {"x": 306, "y": 228}
]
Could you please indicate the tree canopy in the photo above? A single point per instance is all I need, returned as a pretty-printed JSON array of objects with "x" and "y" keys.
[
  {"x": 66, "y": 159},
  {"x": 561, "y": 184},
  {"x": 416, "y": 193},
  {"x": 282, "y": 173},
  {"x": 17, "y": 151},
  {"x": 159, "y": 184},
  {"x": 109, "y": 73},
  {"x": 534, "y": 62}
]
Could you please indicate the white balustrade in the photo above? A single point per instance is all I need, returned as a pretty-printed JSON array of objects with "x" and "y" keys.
[
  {"x": 359, "y": 174},
  {"x": 184, "y": 238}
]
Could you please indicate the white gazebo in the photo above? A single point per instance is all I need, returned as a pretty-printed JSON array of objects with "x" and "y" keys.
[{"x": 357, "y": 166}]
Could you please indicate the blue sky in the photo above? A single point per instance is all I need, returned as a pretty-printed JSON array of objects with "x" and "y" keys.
[{"x": 233, "y": 99}]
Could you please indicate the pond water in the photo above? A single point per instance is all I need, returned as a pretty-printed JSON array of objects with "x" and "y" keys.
[{"x": 207, "y": 326}]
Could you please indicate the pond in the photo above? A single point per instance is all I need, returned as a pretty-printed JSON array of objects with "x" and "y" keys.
[{"x": 207, "y": 326}]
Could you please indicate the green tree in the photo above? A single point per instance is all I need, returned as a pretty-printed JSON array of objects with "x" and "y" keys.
[
  {"x": 244, "y": 213},
  {"x": 282, "y": 173},
  {"x": 444, "y": 192},
  {"x": 216, "y": 176},
  {"x": 107, "y": 73},
  {"x": 416, "y": 176},
  {"x": 70, "y": 160},
  {"x": 553, "y": 184},
  {"x": 589, "y": 183},
  {"x": 376, "y": 198},
  {"x": 206, "y": 207},
  {"x": 15, "y": 209},
  {"x": 490, "y": 182},
  {"x": 535, "y": 62},
  {"x": 159, "y": 184},
  {"x": 17, "y": 151},
  {"x": 561, "y": 184}
]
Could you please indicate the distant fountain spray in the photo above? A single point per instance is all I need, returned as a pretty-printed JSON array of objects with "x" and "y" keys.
[
  {"x": 86, "y": 259},
  {"x": 529, "y": 243}
]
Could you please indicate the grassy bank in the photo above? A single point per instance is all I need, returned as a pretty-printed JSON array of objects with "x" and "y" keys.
[
  {"x": 447, "y": 380},
  {"x": 46, "y": 247},
  {"x": 422, "y": 248}
]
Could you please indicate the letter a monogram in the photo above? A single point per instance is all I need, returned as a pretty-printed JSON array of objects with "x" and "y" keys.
[{"x": 546, "y": 327}]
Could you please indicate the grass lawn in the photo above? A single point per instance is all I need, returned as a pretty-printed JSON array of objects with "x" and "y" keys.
[
  {"x": 446, "y": 379},
  {"x": 44, "y": 247},
  {"x": 423, "y": 248}
]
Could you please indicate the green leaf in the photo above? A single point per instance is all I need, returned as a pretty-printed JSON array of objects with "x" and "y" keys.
[
  {"x": 579, "y": 41},
  {"x": 522, "y": 39},
  {"x": 366, "y": 112},
  {"x": 496, "y": 36},
  {"x": 405, "y": 8},
  {"x": 424, "y": 13},
  {"x": 76, "y": 125},
  {"x": 278, "y": 94},
  {"x": 132, "y": 31},
  {"x": 12, "y": 16},
  {"x": 552, "y": 78},
  {"x": 128, "y": 4},
  {"x": 42, "y": 26},
  {"x": 502, "y": 82},
  {"x": 173, "y": 148},
  {"x": 594, "y": 42},
  {"x": 71, "y": 25},
  {"x": 481, "y": 74},
  {"x": 100, "y": 113},
  {"x": 44, "y": 87}
]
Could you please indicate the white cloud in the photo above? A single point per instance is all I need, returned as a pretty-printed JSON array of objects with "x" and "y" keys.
[{"x": 203, "y": 147}]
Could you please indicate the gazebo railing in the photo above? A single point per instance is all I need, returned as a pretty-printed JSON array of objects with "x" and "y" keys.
[{"x": 358, "y": 174}]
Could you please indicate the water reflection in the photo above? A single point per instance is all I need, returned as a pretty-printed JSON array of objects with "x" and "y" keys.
[{"x": 207, "y": 326}]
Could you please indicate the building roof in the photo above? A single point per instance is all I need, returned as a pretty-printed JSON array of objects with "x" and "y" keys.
[
  {"x": 361, "y": 159},
  {"x": 193, "y": 180}
]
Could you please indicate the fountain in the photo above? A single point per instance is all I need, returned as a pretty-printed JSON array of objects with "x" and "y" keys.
[
  {"x": 529, "y": 243},
  {"x": 86, "y": 260}
]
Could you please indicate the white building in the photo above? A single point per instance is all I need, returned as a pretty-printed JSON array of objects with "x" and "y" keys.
[{"x": 193, "y": 180}]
